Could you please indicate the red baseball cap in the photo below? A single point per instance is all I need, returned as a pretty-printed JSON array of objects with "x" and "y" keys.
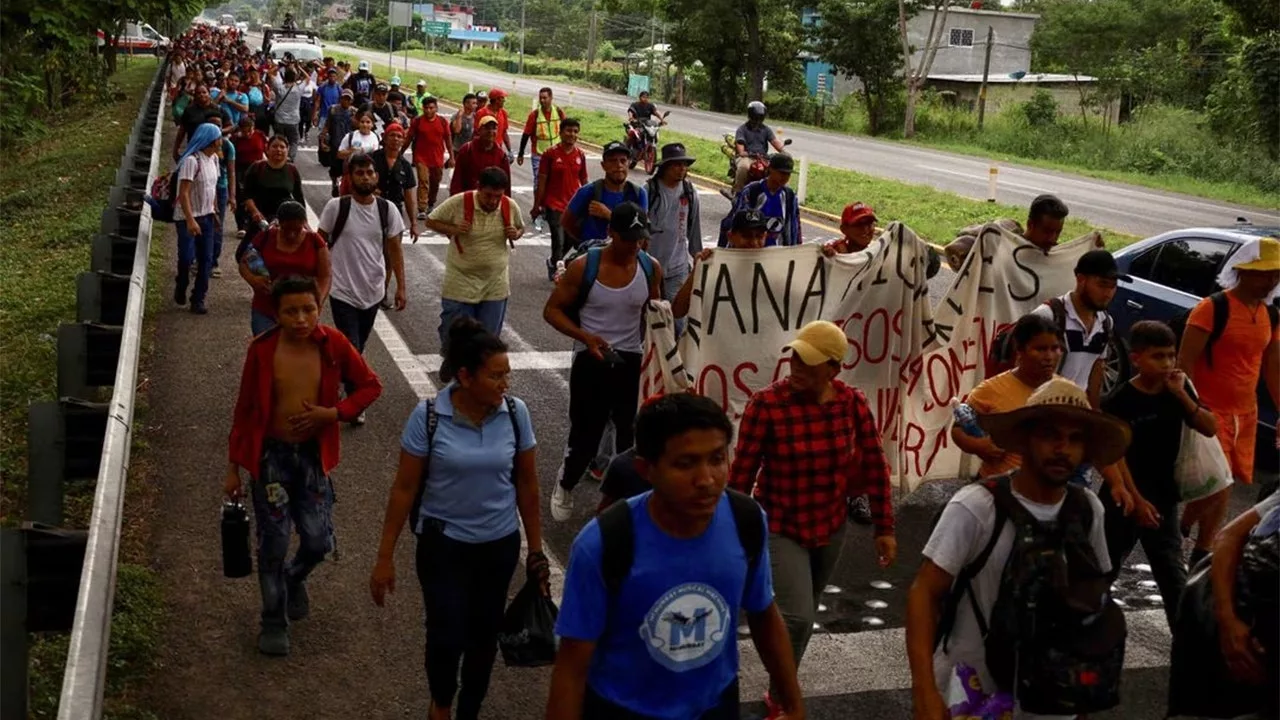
[
  {"x": 497, "y": 93},
  {"x": 393, "y": 128},
  {"x": 856, "y": 213}
]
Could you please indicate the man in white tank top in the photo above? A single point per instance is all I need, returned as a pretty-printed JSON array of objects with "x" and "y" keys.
[{"x": 599, "y": 302}]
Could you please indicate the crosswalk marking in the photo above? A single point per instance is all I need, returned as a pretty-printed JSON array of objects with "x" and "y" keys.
[{"x": 520, "y": 360}]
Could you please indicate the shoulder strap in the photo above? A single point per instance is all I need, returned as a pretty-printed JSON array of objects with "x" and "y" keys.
[
  {"x": 431, "y": 420},
  {"x": 589, "y": 275},
  {"x": 1274, "y": 313},
  {"x": 646, "y": 265},
  {"x": 504, "y": 205},
  {"x": 1059, "y": 310},
  {"x": 597, "y": 189},
  {"x": 1221, "y": 314},
  {"x": 617, "y": 539},
  {"x": 469, "y": 206},
  {"x": 515, "y": 433},
  {"x": 963, "y": 585},
  {"x": 384, "y": 217},
  {"x": 689, "y": 190},
  {"x": 746, "y": 516},
  {"x": 340, "y": 222}
]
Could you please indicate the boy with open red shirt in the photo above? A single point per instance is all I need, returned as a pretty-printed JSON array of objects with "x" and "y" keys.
[
  {"x": 561, "y": 171},
  {"x": 285, "y": 434}
]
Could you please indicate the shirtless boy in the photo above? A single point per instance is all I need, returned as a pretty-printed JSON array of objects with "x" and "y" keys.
[{"x": 285, "y": 435}]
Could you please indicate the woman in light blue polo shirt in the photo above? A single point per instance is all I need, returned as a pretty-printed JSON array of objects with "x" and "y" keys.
[{"x": 468, "y": 465}]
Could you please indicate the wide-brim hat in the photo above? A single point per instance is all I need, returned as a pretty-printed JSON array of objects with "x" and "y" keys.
[
  {"x": 673, "y": 153},
  {"x": 1060, "y": 398},
  {"x": 1268, "y": 259}
]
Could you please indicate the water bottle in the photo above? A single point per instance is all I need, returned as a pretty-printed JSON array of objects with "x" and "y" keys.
[
  {"x": 537, "y": 224},
  {"x": 966, "y": 418},
  {"x": 257, "y": 265},
  {"x": 236, "y": 561},
  {"x": 559, "y": 269}
]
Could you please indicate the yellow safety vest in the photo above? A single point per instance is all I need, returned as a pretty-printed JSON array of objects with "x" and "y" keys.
[{"x": 548, "y": 127}]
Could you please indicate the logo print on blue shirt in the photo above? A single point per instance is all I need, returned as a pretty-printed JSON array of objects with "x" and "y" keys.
[{"x": 686, "y": 628}]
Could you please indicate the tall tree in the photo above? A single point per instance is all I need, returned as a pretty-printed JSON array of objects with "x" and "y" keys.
[
  {"x": 916, "y": 74},
  {"x": 861, "y": 40}
]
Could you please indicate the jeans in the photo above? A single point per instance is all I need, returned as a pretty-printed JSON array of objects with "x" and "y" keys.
[
  {"x": 305, "y": 107},
  {"x": 291, "y": 491},
  {"x": 355, "y": 323},
  {"x": 599, "y": 392},
  {"x": 197, "y": 248},
  {"x": 534, "y": 161},
  {"x": 241, "y": 216},
  {"x": 428, "y": 186},
  {"x": 290, "y": 133},
  {"x": 490, "y": 313},
  {"x": 556, "y": 230},
  {"x": 1162, "y": 544},
  {"x": 671, "y": 285},
  {"x": 222, "y": 223},
  {"x": 260, "y": 323},
  {"x": 799, "y": 575},
  {"x": 464, "y": 592}
]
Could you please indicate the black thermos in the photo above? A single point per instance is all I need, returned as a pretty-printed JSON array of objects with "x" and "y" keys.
[{"x": 236, "y": 562}]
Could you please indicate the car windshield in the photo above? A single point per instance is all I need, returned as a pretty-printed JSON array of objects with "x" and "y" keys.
[{"x": 300, "y": 51}]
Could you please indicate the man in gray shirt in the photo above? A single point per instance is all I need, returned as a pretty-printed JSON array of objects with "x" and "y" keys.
[
  {"x": 288, "y": 102},
  {"x": 752, "y": 138},
  {"x": 676, "y": 228}
]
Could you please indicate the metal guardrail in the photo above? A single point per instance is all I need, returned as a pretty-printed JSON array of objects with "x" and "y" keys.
[
  {"x": 54, "y": 579},
  {"x": 86, "y": 670}
]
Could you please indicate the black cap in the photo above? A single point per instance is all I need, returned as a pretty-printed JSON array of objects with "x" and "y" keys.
[
  {"x": 381, "y": 87},
  {"x": 291, "y": 210},
  {"x": 781, "y": 162},
  {"x": 674, "y": 152},
  {"x": 629, "y": 222},
  {"x": 748, "y": 220},
  {"x": 614, "y": 146},
  {"x": 1100, "y": 263}
]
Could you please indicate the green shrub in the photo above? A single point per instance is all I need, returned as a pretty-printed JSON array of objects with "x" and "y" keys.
[
  {"x": 412, "y": 45},
  {"x": 1041, "y": 110}
]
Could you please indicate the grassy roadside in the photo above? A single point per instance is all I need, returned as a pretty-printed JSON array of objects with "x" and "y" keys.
[
  {"x": 934, "y": 214},
  {"x": 52, "y": 193},
  {"x": 1226, "y": 191}
]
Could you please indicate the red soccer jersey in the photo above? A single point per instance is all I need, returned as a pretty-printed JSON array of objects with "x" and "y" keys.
[
  {"x": 564, "y": 172},
  {"x": 429, "y": 140}
]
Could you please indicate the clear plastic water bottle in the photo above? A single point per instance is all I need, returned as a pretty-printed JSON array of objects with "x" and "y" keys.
[
  {"x": 537, "y": 224},
  {"x": 559, "y": 269},
  {"x": 966, "y": 418},
  {"x": 256, "y": 264}
]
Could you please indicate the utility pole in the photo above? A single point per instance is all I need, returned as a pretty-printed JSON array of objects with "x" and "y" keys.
[
  {"x": 653, "y": 38},
  {"x": 591, "y": 37},
  {"x": 522, "y": 4},
  {"x": 366, "y": 10},
  {"x": 986, "y": 70}
]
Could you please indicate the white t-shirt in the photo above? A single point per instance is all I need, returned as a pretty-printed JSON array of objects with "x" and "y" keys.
[
  {"x": 202, "y": 171},
  {"x": 1084, "y": 345},
  {"x": 366, "y": 142},
  {"x": 962, "y": 532},
  {"x": 359, "y": 271}
]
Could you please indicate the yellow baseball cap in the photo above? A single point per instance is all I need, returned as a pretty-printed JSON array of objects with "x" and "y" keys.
[{"x": 819, "y": 342}]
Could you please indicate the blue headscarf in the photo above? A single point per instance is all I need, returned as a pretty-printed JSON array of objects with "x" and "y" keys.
[{"x": 204, "y": 136}]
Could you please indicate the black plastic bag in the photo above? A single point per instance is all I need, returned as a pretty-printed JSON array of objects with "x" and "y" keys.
[
  {"x": 527, "y": 636},
  {"x": 236, "y": 561},
  {"x": 1200, "y": 684}
]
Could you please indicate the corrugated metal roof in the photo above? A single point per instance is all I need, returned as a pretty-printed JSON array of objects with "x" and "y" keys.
[{"x": 1035, "y": 78}]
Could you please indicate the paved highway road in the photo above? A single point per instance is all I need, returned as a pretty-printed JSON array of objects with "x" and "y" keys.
[{"x": 1127, "y": 208}]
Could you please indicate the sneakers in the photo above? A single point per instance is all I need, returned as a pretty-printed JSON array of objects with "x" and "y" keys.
[
  {"x": 216, "y": 272},
  {"x": 199, "y": 309},
  {"x": 179, "y": 295},
  {"x": 860, "y": 510},
  {"x": 239, "y": 234},
  {"x": 422, "y": 214},
  {"x": 551, "y": 270},
  {"x": 773, "y": 710},
  {"x": 561, "y": 504},
  {"x": 360, "y": 419},
  {"x": 298, "y": 606},
  {"x": 595, "y": 471},
  {"x": 274, "y": 641}
]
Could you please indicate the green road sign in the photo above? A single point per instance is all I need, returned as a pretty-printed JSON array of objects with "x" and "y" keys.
[{"x": 438, "y": 29}]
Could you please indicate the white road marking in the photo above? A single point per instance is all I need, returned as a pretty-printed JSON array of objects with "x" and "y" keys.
[{"x": 548, "y": 361}]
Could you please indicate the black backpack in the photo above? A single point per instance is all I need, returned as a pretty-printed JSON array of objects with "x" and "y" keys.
[
  {"x": 1054, "y": 628},
  {"x": 1221, "y": 313},
  {"x": 433, "y": 421},
  {"x": 344, "y": 211},
  {"x": 1002, "y": 353},
  {"x": 617, "y": 536}
]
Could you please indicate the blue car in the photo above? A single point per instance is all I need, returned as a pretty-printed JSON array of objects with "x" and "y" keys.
[{"x": 1171, "y": 273}]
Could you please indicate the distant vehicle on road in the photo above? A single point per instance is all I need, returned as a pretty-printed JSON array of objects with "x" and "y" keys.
[
  {"x": 303, "y": 45},
  {"x": 1171, "y": 273},
  {"x": 242, "y": 26},
  {"x": 138, "y": 37},
  {"x": 227, "y": 20}
]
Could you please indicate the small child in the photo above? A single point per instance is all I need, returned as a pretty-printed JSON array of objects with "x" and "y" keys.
[
  {"x": 285, "y": 435},
  {"x": 1156, "y": 403}
]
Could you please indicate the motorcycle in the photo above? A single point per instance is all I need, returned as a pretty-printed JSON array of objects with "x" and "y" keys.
[
  {"x": 642, "y": 138},
  {"x": 759, "y": 163}
]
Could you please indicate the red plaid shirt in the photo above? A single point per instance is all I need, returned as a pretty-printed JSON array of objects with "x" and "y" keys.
[{"x": 806, "y": 458}]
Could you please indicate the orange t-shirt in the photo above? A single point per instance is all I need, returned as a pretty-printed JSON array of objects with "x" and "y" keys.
[
  {"x": 1000, "y": 394},
  {"x": 1231, "y": 385}
]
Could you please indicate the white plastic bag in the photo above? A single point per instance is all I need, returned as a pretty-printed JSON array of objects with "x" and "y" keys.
[{"x": 1202, "y": 468}]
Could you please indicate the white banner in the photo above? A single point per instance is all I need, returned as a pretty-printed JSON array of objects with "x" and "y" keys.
[{"x": 908, "y": 359}]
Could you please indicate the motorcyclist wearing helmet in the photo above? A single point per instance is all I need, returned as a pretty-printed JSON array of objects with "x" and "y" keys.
[{"x": 753, "y": 138}]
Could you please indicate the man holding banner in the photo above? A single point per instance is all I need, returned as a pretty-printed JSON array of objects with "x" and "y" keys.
[
  {"x": 775, "y": 200},
  {"x": 808, "y": 444}
]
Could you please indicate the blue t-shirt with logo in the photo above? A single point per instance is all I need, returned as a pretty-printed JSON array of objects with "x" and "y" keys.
[
  {"x": 591, "y": 227},
  {"x": 667, "y": 645}
]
